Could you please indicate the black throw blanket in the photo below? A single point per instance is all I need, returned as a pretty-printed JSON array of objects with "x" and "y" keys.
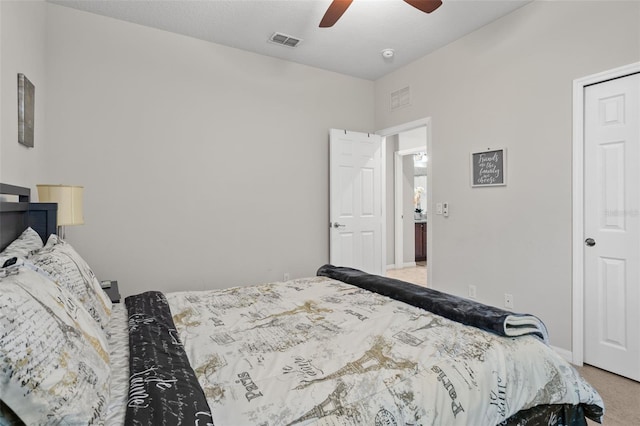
[
  {"x": 455, "y": 308},
  {"x": 163, "y": 389}
]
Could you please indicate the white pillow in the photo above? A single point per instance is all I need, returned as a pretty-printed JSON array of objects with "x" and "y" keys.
[
  {"x": 54, "y": 367},
  {"x": 28, "y": 243},
  {"x": 64, "y": 265}
]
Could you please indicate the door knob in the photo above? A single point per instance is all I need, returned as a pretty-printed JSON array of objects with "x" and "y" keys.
[
  {"x": 590, "y": 242},
  {"x": 337, "y": 225}
]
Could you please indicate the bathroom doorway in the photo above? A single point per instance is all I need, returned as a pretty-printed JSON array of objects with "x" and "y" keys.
[{"x": 408, "y": 193}]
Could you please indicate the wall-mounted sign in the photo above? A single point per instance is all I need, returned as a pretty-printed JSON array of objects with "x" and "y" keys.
[{"x": 488, "y": 168}]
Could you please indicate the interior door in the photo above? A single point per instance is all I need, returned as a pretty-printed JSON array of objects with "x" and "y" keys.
[
  {"x": 355, "y": 198},
  {"x": 612, "y": 225}
]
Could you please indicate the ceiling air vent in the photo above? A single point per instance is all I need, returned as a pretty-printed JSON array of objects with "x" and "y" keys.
[
  {"x": 284, "y": 40},
  {"x": 401, "y": 98}
]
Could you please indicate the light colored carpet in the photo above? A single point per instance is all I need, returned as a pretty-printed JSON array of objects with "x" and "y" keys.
[{"x": 621, "y": 396}]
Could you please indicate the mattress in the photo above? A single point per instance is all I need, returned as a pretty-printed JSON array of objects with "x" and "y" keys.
[{"x": 319, "y": 351}]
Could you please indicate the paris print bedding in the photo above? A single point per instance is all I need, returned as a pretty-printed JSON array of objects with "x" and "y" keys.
[{"x": 318, "y": 351}]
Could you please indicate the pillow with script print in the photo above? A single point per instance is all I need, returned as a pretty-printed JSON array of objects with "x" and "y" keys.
[
  {"x": 54, "y": 367},
  {"x": 64, "y": 265},
  {"x": 28, "y": 243}
]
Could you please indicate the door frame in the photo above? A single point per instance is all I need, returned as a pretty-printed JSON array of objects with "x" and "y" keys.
[
  {"x": 390, "y": 131},
  {"x": 577, "y": 329},
  {"x": 398, "y": 187}
]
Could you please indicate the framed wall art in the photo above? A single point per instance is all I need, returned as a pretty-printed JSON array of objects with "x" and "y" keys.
[
  {"x": 489, "y": 168},
  {"x": 26, "y": 110}
]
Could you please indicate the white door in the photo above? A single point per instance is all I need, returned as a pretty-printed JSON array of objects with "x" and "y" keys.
[
  {"x": 355, "y": 200},
  {"x": 612, "y": 225}
]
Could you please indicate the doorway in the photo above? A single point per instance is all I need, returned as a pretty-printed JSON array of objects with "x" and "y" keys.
[
  {"x": 408, "y": 236},
  {"x": 606, "y": 226}
]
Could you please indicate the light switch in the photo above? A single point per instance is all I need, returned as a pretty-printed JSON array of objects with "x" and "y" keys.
[
  {"x": 445, "y": 209},
  {"x": 438, "y": 208}
]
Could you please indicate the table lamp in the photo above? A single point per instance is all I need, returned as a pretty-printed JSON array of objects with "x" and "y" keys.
[{"x": 69, "y": 199}]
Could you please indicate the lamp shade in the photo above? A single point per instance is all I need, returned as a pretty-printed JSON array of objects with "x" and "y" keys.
[{"x": 69, "y": 199}]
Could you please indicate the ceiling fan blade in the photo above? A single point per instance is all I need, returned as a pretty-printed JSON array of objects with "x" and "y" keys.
[
  {"x": 335, "y": 11},
  {"x": 427, "y": 6}
]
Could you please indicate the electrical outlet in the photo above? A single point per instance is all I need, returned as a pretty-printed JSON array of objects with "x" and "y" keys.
[
  {"x": 472, "y": 291},
  {"x": 287, "y": 276},
  {"x": 508, "y": 300}
]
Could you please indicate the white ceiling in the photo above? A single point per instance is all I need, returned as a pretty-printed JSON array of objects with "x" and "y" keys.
[{"x": 353, "y": 46}]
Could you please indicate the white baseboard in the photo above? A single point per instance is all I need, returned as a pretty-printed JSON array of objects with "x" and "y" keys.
[{"x": 564, "y": 353}]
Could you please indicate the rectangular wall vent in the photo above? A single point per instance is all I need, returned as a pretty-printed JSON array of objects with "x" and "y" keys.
[
  {"x": 284, "y": 40},
  {"x": 401, "y": 98}
]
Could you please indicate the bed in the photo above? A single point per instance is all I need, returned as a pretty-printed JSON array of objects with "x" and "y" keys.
[{"x": 339, "y": 348}]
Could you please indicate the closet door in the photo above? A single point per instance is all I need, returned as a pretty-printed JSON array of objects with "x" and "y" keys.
[{"x": 612, "y": 225}]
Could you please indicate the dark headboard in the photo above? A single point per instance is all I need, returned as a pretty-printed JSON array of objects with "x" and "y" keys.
[{"x": 16, "y": 216}]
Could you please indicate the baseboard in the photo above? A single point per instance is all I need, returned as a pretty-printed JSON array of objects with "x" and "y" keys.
[{"x": 564, "y": 353}]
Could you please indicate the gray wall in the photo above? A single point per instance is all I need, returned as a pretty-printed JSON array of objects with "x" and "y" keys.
[
  {"x": 23, "y": 50},
  {"x": 509, "y": 84},
  {"x": 203, "y": 166}
]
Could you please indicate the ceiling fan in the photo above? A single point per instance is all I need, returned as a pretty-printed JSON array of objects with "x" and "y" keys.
[{"x": 338, "y": 7}]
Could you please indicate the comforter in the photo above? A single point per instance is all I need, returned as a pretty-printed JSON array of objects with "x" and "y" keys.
[{"x": 323, "y": 352}]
